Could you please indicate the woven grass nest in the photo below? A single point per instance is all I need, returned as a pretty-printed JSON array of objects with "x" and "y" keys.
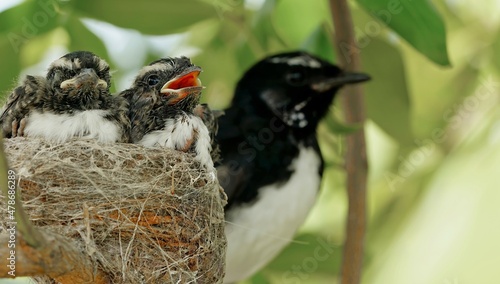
[{"x": 143, "y": 215}]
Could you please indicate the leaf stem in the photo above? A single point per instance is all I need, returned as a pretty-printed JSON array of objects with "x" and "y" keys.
[{"x": 356, "y": 162}]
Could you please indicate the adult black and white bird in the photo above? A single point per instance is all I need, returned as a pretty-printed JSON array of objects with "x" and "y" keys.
[
  {"x": 162, "y": 102},
  {"x": 73, "y": 100},
  {"x": 271, "y": 165}
]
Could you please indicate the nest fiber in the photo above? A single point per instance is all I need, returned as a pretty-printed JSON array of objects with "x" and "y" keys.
[{"x": 142, "y": 215}]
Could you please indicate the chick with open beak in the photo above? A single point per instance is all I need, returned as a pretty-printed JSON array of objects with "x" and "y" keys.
[
  {"x": 184, "y": 90},
  {"x": 162, "y": 103}
]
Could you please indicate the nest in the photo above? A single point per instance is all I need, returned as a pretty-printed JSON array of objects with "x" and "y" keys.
[{"x": 142, "y": 215}]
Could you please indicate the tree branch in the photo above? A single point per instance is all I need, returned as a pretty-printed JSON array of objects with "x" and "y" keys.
[
  {"x": 60, "y": 259},
  {"x": 39, "y": 252},
  {"x": 23, "y": 225},
  {"x": 356, "y": 161}
]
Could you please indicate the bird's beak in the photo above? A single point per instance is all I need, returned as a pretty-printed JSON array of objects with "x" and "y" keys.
[
  {"x": 183, "y": 86},
  {"x": 86, "y": 78},
  {"x": 339, "y": 80}
]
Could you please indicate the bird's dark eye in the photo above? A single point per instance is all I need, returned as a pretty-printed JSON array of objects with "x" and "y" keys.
[
  {"x": 153, "y": 80},
  {"x": 296, "y": 77}
]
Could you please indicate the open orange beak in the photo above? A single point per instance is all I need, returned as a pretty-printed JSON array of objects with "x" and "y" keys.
[{"x": 182, "y": 86}]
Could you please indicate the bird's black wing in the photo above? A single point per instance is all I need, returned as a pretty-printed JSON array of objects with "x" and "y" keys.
[
  {"x": 139, "y": 108},
  {"x": 256, "y": 151},
  {"x": 21, "y": 101},
  {"x": 119, "y": 106},
  {"x": 237, "y": 162}
]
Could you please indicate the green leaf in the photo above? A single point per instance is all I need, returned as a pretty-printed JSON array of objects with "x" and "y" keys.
[
  {"x": 81, "y": 38},
  {"x": 435, "y": 107},
  {"x": 246, "y": 57},
  {"x": 30, "y": 18},
  {"x": 8, "y": 75},
  {"x": 295, "y": 20},
  {"x": 27, "y": 20},
  {"x": 259, "y": 279},
  {"x": 320, "y": 43},
  {"x": 34, "y": 51},
  {"x": 297, "y": 257},
  {"x": 416, "y": 21},
  {"x": 263, "y": 28},
  {"x": 338, "y": 127},
  {"x": 217, "y": 73},
  {"x": 155, "y": 17},
  {"x": 496, "y": 55},
  {"x": 203, "y": 33},
  {"x": 387, "y": 98}
]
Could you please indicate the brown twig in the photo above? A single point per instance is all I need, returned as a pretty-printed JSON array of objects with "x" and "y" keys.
[
  {"x": 60, "y": 259},
  {"x": 356, "y": 162},
  {"x": 23, "y": 224}
]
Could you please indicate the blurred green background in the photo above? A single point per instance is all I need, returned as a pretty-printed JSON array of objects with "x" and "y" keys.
[{"x": 433, "y": 128}]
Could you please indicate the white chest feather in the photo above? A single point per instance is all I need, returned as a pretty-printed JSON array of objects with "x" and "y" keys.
[
  {"x": 89, "y": 124},
  {"x": 179, "y": 134},
  {"x": 258, "y": 232}
]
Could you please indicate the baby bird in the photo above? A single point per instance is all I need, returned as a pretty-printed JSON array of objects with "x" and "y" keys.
[
  {"x": 162, "y": 103},
  {"x": 19, "y": 103},
  {"x": 72, "y": 101},
  {"x": 210, "y": 119}
]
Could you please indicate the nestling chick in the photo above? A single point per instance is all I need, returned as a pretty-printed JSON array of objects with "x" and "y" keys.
[
  {"x": 162, "y": 103},
  {"x": 210, "y": 119},
  {"x": 72, "y": 101},
  {"x": 19, "y": 103}
]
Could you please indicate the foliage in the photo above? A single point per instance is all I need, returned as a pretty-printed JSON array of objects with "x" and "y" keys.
[{"x": 427, "y": 122}]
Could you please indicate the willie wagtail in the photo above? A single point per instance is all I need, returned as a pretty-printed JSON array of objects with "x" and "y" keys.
[{"x": 271, "y": 165}]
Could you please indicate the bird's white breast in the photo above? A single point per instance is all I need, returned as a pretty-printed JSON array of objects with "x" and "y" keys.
[
  {"x": 177, "y": 132},
  {"x": 89, "y": 124},
  {"x": 257, "y": 232}
]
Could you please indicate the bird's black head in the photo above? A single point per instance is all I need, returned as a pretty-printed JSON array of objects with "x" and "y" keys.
[
  {"x": 296, "y": 87},
  {"x": 79, "y": 79},
  {"x": 170, "y": 81}
]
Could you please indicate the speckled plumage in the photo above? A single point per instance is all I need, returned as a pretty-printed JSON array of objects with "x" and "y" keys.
[
  {"x": 77, "y": 88},
  {"x": 210, "y": 119},
  {"x": 20, "y": 102},
  {"x": 163, "y": 117}
]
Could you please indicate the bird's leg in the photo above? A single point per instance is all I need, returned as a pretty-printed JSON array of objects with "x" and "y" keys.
[
  {"x": 14, "y": 125},
  {"x": 22, "y": 126},
  {"x": 188, "y": 144}
]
